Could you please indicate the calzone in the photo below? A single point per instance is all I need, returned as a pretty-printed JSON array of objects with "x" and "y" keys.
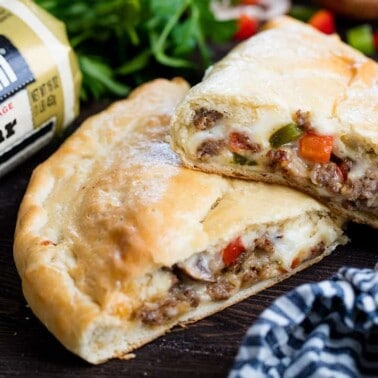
[
  {"x": 116, "y": 242},
  {"x": 290, "y": 106}
]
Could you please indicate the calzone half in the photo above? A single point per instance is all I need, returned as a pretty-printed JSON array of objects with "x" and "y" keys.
[
  {"x": 116, "y": 242},
  {"x": 290, "y": 106}
]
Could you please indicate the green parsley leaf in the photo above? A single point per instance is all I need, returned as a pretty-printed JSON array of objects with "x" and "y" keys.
[{"x": 122, "y": 43}]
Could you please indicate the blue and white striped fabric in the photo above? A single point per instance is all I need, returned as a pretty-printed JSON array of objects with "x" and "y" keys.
[{"x": 326, "y": 329}]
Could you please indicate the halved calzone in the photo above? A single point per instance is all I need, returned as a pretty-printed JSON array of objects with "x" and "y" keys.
[
  {"x": 291, "y": 106},
  {"x": 116, "y": 242}
]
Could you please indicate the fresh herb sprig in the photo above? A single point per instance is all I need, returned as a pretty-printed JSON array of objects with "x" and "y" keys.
[{"x": 121, "y": 43}]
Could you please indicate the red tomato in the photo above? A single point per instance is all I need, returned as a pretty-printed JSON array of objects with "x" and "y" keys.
[
  {"x": 324, "y": 21},
  {"x": 316, "y": 148},
  {"x": 246, "y": 27},
  {"x": 376, "y": 40},
  {"x": 249, "y": 2},
  {"x": 232, "y": 251}
]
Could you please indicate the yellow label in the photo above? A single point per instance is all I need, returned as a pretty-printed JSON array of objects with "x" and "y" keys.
[
  {"x": 39, "y": 80},
  {"x": 45, "y": 94}
]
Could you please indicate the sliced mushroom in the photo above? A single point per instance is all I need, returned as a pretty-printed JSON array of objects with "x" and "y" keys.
[{"x": 202, "y": 266}]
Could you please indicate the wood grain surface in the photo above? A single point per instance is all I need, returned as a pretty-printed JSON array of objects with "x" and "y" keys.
[{"x": 204, "y": 349}]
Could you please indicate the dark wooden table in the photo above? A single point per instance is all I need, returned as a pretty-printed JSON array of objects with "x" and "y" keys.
[{"x": 204, "y": 349}]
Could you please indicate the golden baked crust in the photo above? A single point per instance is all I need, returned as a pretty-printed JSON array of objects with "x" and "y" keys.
[
  {"x": 105, "y": 218},
  {"x": 287, "y": 71}
]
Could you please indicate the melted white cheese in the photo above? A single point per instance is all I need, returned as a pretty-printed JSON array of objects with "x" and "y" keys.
[
  {"x": 300, "y": 236},
  {"x": 295, "y": 238},
  {"x": 323, "y": 125},
  {"x": 358, "y": 169},
  {"x": 267, "y": 122},
  {"x": 264, "y": 126},
  {"x": 217, "y": 132}
]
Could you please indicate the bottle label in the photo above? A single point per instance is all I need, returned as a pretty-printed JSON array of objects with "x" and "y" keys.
[{"x": 39, "y": 80}]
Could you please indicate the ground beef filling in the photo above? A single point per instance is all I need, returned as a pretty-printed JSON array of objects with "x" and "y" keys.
[
  {"x": 210, "y": 147},
  {"x": 180, "y": 299},
  {"x": 302, "y": 119},
  {"x": 363, "y": 189},
  {"x": 333, "y": 176},
  {"x": 204, "y": 119},
  {"x": 237, "y": 142},
  {"x": 249, "y": 267},
  {"x": 327, "y": 175},
  {"x": 358, "y": 193}
]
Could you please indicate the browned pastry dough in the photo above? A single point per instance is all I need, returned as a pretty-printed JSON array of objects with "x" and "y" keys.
[
  {"x": 116, "y": 242},
  {"x": 290, "y": 73}
]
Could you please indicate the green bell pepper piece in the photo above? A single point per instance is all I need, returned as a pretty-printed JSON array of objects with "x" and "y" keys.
[{"x": 285, "y": 135}]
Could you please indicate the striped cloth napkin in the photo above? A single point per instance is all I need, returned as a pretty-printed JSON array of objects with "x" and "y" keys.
[{"x": 325, "y": 329}]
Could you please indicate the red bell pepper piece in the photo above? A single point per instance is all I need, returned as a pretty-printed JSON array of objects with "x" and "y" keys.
[
  {"x": 232, "y": 251},
  {"x": 295, "y": 263},
  {"x": 324, "y": 21},
  {"x": 343, "y": 171},
  {"x": 246, "y": 27},
  {"x": 316, "y": 148}
]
